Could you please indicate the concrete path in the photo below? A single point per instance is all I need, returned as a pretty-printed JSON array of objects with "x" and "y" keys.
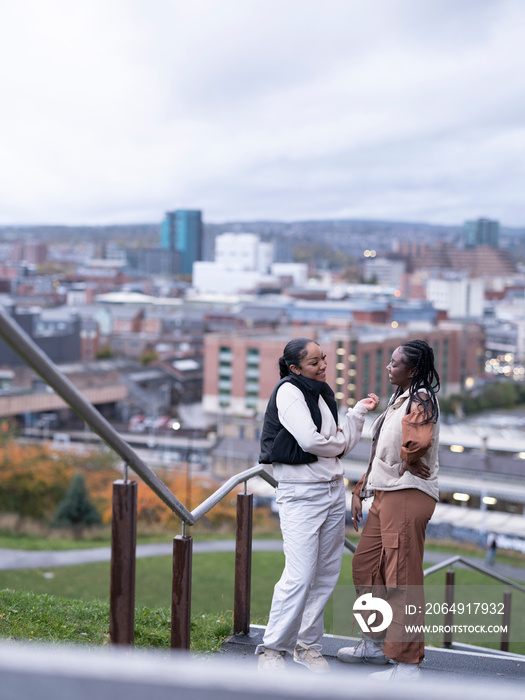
[{"x": 21, "y": 559}]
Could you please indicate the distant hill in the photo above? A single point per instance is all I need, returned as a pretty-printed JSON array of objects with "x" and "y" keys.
[
  {"x": 332, "y": 226},
  {"x": 92, "y": 233},
  {"x": 335, "y": 231}
]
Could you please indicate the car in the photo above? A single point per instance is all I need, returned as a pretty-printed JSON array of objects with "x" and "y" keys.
[{"x": 136, "y": 423}]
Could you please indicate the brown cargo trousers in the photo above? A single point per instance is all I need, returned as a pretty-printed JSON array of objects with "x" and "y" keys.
[{"x": 388, "y": 562}]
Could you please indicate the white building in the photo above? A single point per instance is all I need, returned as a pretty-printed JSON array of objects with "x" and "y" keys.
[
  {"x": 460, "y": 298},
  {"x": 386, "y": 272},
  {"x": 298, "y": 272},
  {"x": 512, "y": 313},
  {"x": 242, "y": 262},
  {"x": 243, "y": 251},
  {"x": 212, "y": 278}
]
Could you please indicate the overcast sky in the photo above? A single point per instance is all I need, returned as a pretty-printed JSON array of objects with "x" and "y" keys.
[{"x": 118, "y": 110}]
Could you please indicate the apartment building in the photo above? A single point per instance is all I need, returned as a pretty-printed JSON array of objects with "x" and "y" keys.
[{"x": 241, "y": 368}]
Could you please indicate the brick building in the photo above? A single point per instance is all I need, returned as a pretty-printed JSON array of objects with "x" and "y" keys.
[{"x": 241, "y": 368}]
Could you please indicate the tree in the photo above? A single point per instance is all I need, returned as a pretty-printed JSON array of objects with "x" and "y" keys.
[
  {"x": 148, "y": 356},
  {"x": 105, "y": 353},
  {"x": 77, "y": 511}
]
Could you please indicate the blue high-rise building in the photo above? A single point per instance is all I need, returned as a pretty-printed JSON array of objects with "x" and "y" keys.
[
  {"x": 181, "y": 231},
  {"x": 481, "y": 232}
]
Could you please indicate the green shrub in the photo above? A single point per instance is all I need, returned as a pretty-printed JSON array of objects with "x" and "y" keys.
[{"x": 77, "y": 511}]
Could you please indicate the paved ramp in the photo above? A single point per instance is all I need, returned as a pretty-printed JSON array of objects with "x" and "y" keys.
[{"x": 454, "y": 664}]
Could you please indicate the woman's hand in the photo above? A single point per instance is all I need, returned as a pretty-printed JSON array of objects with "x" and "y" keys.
[
  {"x": 370, "y": 403},
  {"x": 416, "y": 468},
  {"x": 357, "y": 511}
]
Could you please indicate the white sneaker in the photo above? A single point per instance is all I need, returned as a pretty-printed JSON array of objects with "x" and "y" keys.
[
  {"x": 309, "y": 655},
  {"x": 399, "y": 672},
  {"x": 367, "y": 651},
  {"x": 271, "y": 660}
]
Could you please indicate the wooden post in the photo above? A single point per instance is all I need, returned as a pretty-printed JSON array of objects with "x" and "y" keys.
[
  {"x": 123, "y": 553},
  {"x": 505, "y": 622},
  {"x": 243, "y": 564},
  {"x": 449, "y": 615},
  {"x": 181, "y": 592}
]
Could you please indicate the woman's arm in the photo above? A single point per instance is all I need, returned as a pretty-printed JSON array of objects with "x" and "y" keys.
[
  {"x": 417, "y": 440},
  {"x": 357, "y": 504},
  {"x": 295, "y": 416},
  {"x": 355, "y": 418}
]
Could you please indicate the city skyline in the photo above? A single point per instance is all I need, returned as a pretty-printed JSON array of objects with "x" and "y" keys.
[{"x": 392, "y": 111}]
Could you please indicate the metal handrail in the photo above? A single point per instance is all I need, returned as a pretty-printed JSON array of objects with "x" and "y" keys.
[
  {"x": 350, "y": 545},
  {"x": 477, "y": 567},
  {"x": 207, "y": 505}
]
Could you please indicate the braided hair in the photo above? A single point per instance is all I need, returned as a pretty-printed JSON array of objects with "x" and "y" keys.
[{"x": 418, "y": 355}]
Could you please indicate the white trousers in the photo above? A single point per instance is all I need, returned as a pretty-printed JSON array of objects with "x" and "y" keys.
[{"x": 313, "y": 527}]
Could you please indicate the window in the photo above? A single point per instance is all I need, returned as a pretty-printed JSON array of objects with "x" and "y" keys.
[
  {"x": 444, "y": 372},
  {"x": 252, "y": 356},
  {"x": 352, "y": 372},
  {"x": 366, "y": 374},
  {"x": 225, "y": 374},
  {"x": 252, "y": 373},
  {"x": 225, "y": 354},
  {"x": 379, "y": 371}
]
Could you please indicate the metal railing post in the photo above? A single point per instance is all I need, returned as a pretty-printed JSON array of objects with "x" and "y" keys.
[
  {"x": 243, "y": 564},
  {"x": 449, "y": 615},
  {"x": 123, "y": 552},
  {"x": 505, "y": 622},
  {"x": 181, "y": 592}
]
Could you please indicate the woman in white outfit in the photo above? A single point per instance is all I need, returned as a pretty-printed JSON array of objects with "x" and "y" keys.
[{"x": 304, "y": 441}]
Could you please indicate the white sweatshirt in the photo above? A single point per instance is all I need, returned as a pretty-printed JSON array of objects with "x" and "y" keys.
[{"x": 327, "y": 444}]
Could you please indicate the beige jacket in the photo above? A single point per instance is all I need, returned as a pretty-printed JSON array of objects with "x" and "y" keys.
[{"x": 401, "y": 437}]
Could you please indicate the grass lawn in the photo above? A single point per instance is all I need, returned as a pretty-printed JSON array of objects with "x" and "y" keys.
[
  {"x": 212, "y": 589},
  {"x": 45, "y": 618}
]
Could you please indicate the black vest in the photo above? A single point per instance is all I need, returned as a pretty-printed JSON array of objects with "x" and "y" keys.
[{"x": 279, "y": 445}]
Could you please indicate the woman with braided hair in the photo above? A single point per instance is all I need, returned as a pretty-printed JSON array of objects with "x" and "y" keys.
[{"x": 402, "y": 477}]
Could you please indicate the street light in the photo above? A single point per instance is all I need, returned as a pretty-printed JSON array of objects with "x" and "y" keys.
[{"x": 175, "y": 425}]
